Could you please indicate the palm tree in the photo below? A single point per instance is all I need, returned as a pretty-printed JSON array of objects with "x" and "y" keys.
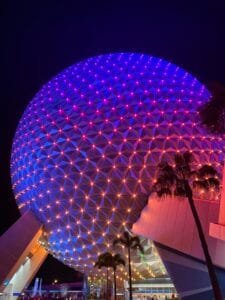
[
  {"x": 131, "y": 242},
  {"x": 108, "y": 260},
  {"x": 212, "y": 113},
  {"x": 117, "y": 260},
  {"x": 179, "y": 180},
  {"x": 104, "y": 260}
]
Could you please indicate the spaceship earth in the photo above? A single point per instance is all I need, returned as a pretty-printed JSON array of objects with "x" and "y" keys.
[{"x": 86, "y": 149}]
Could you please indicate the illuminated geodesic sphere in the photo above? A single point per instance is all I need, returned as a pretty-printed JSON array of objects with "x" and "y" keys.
[{"x": 86, "y": 149}]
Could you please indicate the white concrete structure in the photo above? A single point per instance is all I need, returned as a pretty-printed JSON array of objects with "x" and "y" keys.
[
  {"x": 170, "y": 224},
  {"x": 20, "y": 255}
]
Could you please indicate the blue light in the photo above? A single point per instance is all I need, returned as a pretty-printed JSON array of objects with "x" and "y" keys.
[{"x": 90, "y": 141}]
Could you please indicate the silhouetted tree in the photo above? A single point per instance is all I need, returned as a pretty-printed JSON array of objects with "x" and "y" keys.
[
  {"x": 179, "y": 180},
  {"x": 108, "y": 260},
  {"x": 131, "y": 242},
  {"x": 117, "y": 260},
  {"x": 213, "y": 112}
]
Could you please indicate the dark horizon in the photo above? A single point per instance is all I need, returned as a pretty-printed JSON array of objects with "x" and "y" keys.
[
  {"x": 62, "y": 273},
  {"x": 41, "y": 39}
]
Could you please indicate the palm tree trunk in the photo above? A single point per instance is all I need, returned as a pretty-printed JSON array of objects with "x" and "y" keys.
[
  {"x": 208, "y": 260},
  {"x": 130, "y": 275},
  {"x": 107, "y": 284},
  {"x": 114, "y": 276}
]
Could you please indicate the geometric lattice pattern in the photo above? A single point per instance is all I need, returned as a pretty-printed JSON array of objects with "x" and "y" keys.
[{"x": 86, "y": 149}]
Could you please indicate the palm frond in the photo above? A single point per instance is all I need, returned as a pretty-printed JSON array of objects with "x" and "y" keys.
[
  {"x": 180, "y": 192},
  {"x": 188, "y": 157},
  {"x": 165, "y": 179},
  {"x": 164, "y": 191},
  {"x": 165, "y": 169},
  {"x": 206, "y": 171},
  {"x": 207, "y": 184},
  {"x": 177, "y": 180},
  {"x": 180, "y": 188},
  {"x": 212, "y": 117},
  {"x": 212, "y": 113},
  {"x": 121, "y": 262},
  {"x": 182, "y": 164},
  {"x": 214, "y": 183},
  {"x": 104, "y": 260},
  {"x": 178, "y": 159},
  {"x": 118, "y": 259}
]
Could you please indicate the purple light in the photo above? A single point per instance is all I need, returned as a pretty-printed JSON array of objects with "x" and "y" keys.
[{"x": 90, "y": 142}]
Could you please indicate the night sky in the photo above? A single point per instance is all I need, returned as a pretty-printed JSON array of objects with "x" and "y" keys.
[{"x": 41, "y": 38}]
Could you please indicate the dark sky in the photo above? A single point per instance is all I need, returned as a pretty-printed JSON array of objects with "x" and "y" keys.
[
  {"x": 40, "y": 38},
  {"x": 52, "y": 269}
]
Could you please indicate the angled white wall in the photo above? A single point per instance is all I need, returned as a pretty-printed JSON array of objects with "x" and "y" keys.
[
  {"x": 169, "y": 221},
  {"x": 20, "y": 254}
]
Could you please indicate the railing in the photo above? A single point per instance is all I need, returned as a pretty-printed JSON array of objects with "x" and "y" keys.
[{"x": 45, "y": 295}]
